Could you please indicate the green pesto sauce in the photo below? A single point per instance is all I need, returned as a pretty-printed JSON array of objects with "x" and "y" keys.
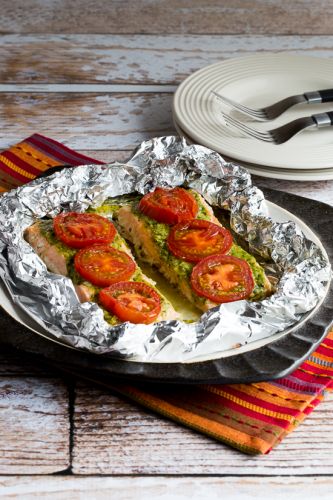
[
  {"x": 202, "y": 212},
  {"x": 119, "y": 243},
  {"x": 46, "y": 227},
  {"x": 137, "y": 276},
  {"x": 257, "y": 271},
  {"x": 111, "y": 206},
  {"x": 110, "y": 318},
  {"x": 106, "y": 209},
  {"x": 69, "y": 253},
  {"x": 160, "y": 233}
]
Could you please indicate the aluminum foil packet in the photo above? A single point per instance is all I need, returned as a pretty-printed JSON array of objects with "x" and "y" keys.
[{"x": 302, "y": 267}]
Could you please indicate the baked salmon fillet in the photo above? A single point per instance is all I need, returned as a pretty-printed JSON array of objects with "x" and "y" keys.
[
  {"x": 59, "y": 259},
  {"x": 149, "y": 239}
]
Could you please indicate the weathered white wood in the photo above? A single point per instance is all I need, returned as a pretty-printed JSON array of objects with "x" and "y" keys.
[
  {"x": 95, "y": 123},
  {"x": 166, "y": 488},
  {"x": 85, "y": 121},
  {"x": 34, "y": 426},
  {"x": 167, "y": 16},
  {"x": 112, "y": 436},
  {"x": 85, "y": 88},
  {"x": 130, "y": 59},
  {"x": 108, "y": 156}
]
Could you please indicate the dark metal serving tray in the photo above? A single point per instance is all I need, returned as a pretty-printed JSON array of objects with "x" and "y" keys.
[{"x": 274, "y": 360}]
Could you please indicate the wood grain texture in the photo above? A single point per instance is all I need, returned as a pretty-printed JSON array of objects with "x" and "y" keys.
[
  {"x": 165, "y": 488},
  {"x": 112, "y": 436},
  {"x": 109, "y": 127},
  {"x": 82, "y": 121},
  {"x": 131, "y": 59},
  {"x": 167, "y": 16},
  {"x": 34, "y": 426}
]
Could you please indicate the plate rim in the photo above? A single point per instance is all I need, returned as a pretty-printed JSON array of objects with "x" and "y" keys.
[
  {"x": 206, "y": 141},
  {"x": 213, "y": 371},
  {"x": 269, "y": 172},
  {"x": 47, "y": 335}
]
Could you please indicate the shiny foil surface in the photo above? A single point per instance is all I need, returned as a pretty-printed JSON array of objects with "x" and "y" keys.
[{"x": 300, "y": 268}]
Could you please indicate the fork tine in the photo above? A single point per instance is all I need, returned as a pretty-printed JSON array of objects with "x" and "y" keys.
[
  {"x": 251, "y": 112},
  {"x": 251, "y": 133},
  {"x": 235, "y": 104},
  {"x": 264, "y": 136},
  {"x": 257, "y": 113},
  {"x": 280, "y": 134},
  {"x": 239, "y": 126},
  {"x": 237, "y": 123}
]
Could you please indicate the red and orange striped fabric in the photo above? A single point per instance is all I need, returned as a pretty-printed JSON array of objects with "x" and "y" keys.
[
  {"x": 250, "y": 417},
  {"x": 28, "y": 159}
]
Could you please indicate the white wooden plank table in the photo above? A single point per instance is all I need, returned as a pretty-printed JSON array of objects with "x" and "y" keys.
[{"x": 99, "y": 76}]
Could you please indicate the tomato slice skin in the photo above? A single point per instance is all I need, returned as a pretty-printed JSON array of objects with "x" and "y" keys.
[
  {"x": 131, "y": 301},
  {"x": 222, "y": 278},
  {"x": 169, "y": 206},
  {"x": 103, "y": 265},
  {"x": 196, "y": 239},
  {"x": 82, "y": 230}
]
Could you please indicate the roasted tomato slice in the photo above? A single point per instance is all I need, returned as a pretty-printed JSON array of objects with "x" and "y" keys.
[
  {"x": 170, "y": 206},
  {"x": 103, "y": 265},
  {"x": 82, "y": 230},
  {"x": 222, "y": 278},
  {"x": 197, "y": 239},
  {"x": 131, "y": 301}
]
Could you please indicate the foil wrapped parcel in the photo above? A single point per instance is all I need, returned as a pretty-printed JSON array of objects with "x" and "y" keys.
[{"x": 301, "y": 266}]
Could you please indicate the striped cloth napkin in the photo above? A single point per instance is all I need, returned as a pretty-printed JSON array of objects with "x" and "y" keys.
[{"x": 250, "y": 417}]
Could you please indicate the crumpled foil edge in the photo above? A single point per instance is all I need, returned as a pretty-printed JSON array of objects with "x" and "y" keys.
[{"x": 50, "y": 299}]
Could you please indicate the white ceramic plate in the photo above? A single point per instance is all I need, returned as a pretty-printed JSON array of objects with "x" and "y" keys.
[
  {"x": 277, "y": 213},
  {"x": 257, "y": 81},
  {"x": 325, "y": 174}
]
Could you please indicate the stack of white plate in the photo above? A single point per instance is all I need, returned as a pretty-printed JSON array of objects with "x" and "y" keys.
[{"x": 258, "y": 81}]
